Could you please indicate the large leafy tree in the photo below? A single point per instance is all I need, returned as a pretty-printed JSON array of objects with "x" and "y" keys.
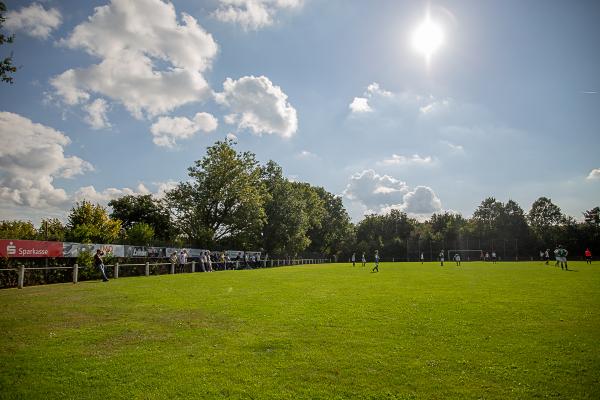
[
  {"x": 140, "y": 234},
  {"x": 224, "y": 200},
  {"x": 132, "y": 210},
  {"x": 545, "y": 219},
  {"x": 52, "y": 229},
  {"x": 288, "y": 216},
  {"x": 19, "y": 230},
  {"x": 335, "y": 233},
  {"x": 90, "y": 223},
  {"x": 6, "y": 64}
]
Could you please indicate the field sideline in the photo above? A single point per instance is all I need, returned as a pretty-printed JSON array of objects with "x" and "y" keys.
[{"x": 332, "y": 331}]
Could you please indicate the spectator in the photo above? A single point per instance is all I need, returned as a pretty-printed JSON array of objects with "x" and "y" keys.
[
  {"x": 208, "y": 262},
  {"x": 183, "y": 256},
  {"x": 173, "y": 259},
  {"x": 99, "y": 263},
  {"x": 203, "y": 261}
]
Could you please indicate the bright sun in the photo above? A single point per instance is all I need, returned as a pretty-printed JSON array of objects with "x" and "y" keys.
[{"x": 427, "y": 38}]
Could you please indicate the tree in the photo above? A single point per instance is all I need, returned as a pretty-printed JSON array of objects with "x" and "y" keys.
[
  {"x": 52, "y": 229},
  {"x": 89, "y": 223},
  {"x": 6, "y": 65},
  {"x": 545, "y": 218},
  {"x": 140, "y": 234},
  {"x": 592, "y": 216},
  {"x": 223, "y": 202},
  {"x": 132, "y": 210},
  {"x": 335, "y": 232},
  {"x": 19, "y": 230},
  {"x": 287, "y": 214}
]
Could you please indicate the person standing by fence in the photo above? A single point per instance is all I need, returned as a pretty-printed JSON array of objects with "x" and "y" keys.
[
  {"x": 99, "y": 263},
  {"x": 182, "y": 260}
]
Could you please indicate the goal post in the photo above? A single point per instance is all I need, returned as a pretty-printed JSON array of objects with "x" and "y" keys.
[{"x": 465, "y": 255}]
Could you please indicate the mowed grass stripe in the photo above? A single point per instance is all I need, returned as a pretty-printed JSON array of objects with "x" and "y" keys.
[{"x": 505, "y": 330}]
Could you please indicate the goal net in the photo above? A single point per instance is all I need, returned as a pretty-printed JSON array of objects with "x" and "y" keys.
[{"x": 466, "y": 255}]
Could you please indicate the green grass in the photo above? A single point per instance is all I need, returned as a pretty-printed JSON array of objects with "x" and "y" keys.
[{"x": 510, "y": 330}]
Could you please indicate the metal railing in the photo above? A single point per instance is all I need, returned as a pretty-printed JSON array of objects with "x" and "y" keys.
[{"x": 203, "y": 266}]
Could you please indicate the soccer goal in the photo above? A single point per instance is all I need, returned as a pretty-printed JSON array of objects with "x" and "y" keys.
[{"x": 465, "y": 255}]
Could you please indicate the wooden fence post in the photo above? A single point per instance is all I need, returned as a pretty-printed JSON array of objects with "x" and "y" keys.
[
  {"x": 75, "y": 273},
  {"x": 193, "y": 266},
  {"x": 116, "y": 273},
  {"x": 21, "y": 276},
  {"x": 147, "y": 268},
  {"x": 172, "y": 268}
]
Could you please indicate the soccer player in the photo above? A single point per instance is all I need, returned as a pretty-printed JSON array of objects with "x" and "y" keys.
[
  {"x": 364, "y": 260},
  {"x": 547, "y": 256},
  {"x": 556, "y": 256},
  {"x": 541, "y": 255},
  {"x": 442, "y": 258},
  {"x": 422, "y": 257},
  {"x": 588, "y": 256},
  {"x": 493, "y": 257},
  {"x": 487, "y": 256},
  {"x": 562, "y": 257},
  {"x": 457, "y": 259},
  {"x": 376, "y": 267},
  {"x": 353, "y": 259}
]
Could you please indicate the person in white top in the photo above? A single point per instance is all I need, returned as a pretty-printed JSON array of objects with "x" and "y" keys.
[
  {"x": 182, "y": 260},
  {"x": 208, "y": 262},
  {"x": 364, "y": 260},
  {"x": 457, "y": 259},
  {"x": 203, "y": 261},
  {"x": 353, "y": 259},
  {"x": 422, "y": 258}
]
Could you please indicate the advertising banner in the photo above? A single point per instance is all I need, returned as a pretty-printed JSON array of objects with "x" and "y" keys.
[
  {"x": 157, "y": 252},
  {"x": 74, "y": 249},
  {"x": 30, "y": 248},
  {"x": 136, "y": 251},
  {"x": 235, "y": 255}
]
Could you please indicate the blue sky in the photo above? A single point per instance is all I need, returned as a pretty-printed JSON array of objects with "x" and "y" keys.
[{"x": 120, "y": 97}]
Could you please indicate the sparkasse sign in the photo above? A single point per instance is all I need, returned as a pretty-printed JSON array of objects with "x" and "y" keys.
[{"x": 30, "y": 248}]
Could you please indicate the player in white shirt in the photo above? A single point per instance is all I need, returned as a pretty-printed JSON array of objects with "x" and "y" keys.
[
  {"x": 353, "y": 259},
  {"x": 457, "y": 259}
]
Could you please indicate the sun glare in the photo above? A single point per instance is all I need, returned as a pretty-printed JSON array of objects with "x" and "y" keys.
[{"x": 427, "y": 38}]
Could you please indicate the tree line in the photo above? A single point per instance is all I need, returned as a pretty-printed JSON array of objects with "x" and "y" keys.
[{"x": 230, "y": 201}]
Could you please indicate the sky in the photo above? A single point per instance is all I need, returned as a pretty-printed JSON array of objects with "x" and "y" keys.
[{"x": 119, "y": 97}]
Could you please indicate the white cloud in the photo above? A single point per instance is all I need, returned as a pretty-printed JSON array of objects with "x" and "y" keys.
[
  {"x": 258, "y": 105},
  {"x": 594, "y": 174},
  {"x": 457, "y": 148},
  {"x": 415, "y": 159},
  {"x": 375, "y": 191},
  {"x": 31, "y": 160},
  {"x": 96, "y": 114},
  {"x": 252, "y": 14},
  {"x": 360, "y": 105},
  {"x": 369, "y": 192},
  {"x": 305, "y": 155},
  {"x": 164, "y": 187},
  {"x": 167, "y": 130},
  {"x": 231, "y": 136},
  {"x": 90, "y": 193},
  {"x": 131, "y": 38},
  {"x": 421, "y": 201},
  {"x": 34, "y": 20}
]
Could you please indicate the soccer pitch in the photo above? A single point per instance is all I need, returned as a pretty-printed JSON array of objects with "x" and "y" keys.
[{"x": 333, "y": 331}]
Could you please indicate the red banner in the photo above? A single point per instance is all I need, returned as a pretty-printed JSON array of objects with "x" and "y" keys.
[{"x": 30, "y": 248}]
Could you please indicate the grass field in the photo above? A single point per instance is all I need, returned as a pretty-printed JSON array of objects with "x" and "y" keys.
[{"x": 509, "y": 330}]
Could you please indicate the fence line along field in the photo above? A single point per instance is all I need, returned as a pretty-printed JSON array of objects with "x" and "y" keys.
[{"x": 505, "y": 330}]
